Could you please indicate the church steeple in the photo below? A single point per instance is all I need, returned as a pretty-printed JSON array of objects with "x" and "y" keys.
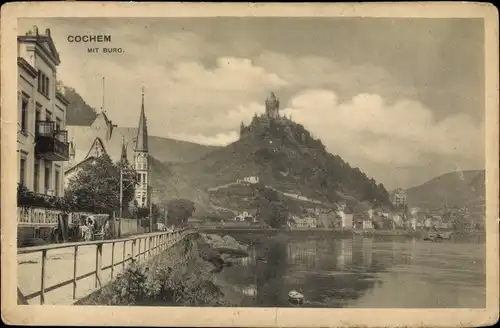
[
  {"x": 142, "y": 130},
  {"x": 141, "y": 160}
]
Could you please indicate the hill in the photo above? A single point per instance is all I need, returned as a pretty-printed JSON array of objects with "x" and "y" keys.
[
  {"x": 285, "y": 156},
  {"x": 78, "y": 111},
  {"x": 454, "y": 189},
  {"x": 169, "y": 150}
]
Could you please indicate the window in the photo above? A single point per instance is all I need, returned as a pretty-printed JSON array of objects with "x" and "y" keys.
[
  {"x": 36, "y": 176},
  {"x": 48, "y": 115},
  {"x": 58, "y": 124},
  {"x": 24, "y": 114},
  {"x": 47, "y": 86},
  {"x": 43, "y": 83},
  {"x": 56, "y": 183},
  {"x": 40, "y": 81},
  {"x": 38, "y": 112},
  {"x": 47, "y": 177},
  {"x": 22, "y": 171}
]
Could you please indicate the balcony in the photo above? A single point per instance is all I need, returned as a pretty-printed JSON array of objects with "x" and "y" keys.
[{"x": 51, "y": 143}]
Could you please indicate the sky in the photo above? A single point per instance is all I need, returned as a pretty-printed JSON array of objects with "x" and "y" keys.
[{"x": 402, "y": 98}]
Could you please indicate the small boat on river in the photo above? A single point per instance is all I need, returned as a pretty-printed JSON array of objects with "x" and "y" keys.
[
  {"x": 295, "y": 297},
  {"x": 438, "y": 236}
]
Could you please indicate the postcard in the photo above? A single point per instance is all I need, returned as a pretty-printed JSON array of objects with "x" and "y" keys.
[{"x": 239, "y": 164}]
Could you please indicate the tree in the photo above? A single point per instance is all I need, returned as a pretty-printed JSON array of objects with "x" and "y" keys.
[
  {"x": 179, "y": 211},
  {"x": 360, "y": 213},
  {"x": 96, "y": 186},
  {"x": 459, "y": 219},
  {"x": 157, "y": 214},
  {"x": 270, "y": 209},
  {"x": 242, "y": 129},
  {"x": 129, "y": 180},
  {"x": 132, "y": 208}
]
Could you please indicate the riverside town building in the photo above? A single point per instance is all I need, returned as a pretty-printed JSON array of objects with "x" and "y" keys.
[{"x": 42, "y": 140}]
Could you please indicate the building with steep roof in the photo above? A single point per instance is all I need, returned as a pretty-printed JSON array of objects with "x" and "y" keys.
[{"x": 103, "y": 137}]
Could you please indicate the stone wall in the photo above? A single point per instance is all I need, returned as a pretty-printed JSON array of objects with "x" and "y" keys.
[{"x": 131, "y": 227}]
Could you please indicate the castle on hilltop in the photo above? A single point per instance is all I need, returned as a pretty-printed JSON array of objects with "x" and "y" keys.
[
  {"x": 272, "y": 114},
  {"x": 272, "y": 106}
]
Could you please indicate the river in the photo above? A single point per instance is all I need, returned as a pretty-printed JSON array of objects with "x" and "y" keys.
[{"x": 376, "y": 272}]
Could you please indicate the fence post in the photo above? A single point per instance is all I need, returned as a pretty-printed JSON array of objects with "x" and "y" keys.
[
  {"x": 75, "y": 257},
  {"x": 98, "y": 264},
  {"x": 139, "y": 250},
  {"x": 42, "y": 283},
  {"x": 133, "y": 246},
  {"x": 149, "y": 246},
  {"x": 124, "y": 249},
  {"x": 154, "y": 246},
  {"x": 112, "y": 259}
]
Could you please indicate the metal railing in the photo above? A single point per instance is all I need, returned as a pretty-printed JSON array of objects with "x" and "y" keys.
[
  {"x": 42, "y": 216},
  {"x": 154, "y": 244}
]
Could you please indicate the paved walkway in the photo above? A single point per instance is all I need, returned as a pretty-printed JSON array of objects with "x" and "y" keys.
[{"x": 59, "y": 268}]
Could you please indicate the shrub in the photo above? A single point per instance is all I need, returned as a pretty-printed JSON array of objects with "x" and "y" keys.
[{"x": 184, "y": 283}]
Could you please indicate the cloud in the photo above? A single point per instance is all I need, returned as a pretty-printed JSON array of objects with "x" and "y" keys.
[
  {"x": 201, "y": 84},
  {"x": 348, "y": 79},
  {"x": 367, "y": 128},
  {"x": 230, "y": 74}
]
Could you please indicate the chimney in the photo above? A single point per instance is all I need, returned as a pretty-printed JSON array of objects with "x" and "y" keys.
[
  {"x": 47, "y": 31},
  {"x": 35, "y": 30}
]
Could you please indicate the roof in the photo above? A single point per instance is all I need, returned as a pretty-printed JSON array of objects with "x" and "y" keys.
[
  {"x": 83, "y": 138},
  {"x": 21, "y": 62},
  {"x": 142, "y": 130},
  {"x": 115, "y": 141},
  {"x": 44, "y": 42},
  {"x": 272, "y": 101},
  {"x": 62, "y": 98},
  {"x": 79, "y": 164}
]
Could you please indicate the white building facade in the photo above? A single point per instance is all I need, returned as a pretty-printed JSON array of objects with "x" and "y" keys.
[{"x": 42, "y": 142}]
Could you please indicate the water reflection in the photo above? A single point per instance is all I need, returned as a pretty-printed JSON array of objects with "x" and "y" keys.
[{"x": 360, "y": 272}]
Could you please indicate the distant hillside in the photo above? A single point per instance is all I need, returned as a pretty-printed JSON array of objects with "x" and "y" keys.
[
  {"x": 169, "y": 185},
  {"x": 285, "y": 156},
  {"x": 78, "y": 111},
  {"x": 457, "y": 189},
  {"x": 170, "y": 150}
]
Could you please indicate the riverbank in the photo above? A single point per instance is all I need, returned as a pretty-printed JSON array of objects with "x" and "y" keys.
[
  {"x": 184, "y": 275},
  {"x": 330, "y": 232}
]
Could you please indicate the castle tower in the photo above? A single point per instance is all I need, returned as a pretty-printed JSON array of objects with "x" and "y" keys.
[
  {"x": 272, "y": 106},
  {"x": 141, "y": 160}
]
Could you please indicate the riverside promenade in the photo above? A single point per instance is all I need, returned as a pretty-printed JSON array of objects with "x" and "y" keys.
[{"x": 61, "y": 274}]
